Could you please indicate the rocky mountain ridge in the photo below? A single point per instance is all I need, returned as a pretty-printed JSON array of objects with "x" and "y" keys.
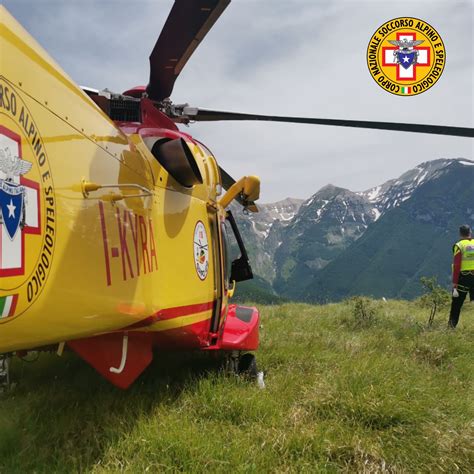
[{"x": 291, "y": 240}]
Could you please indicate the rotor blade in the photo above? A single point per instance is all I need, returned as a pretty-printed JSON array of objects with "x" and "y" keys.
[
  {"x": 188, "y": 23},
  {"x": 203, "y": 115},
  {"x": 227, "y": 182}
]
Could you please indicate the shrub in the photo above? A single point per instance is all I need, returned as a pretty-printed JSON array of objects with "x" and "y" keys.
[
  {"x": 435, "y": 297},
  {"x": 363, "y": 311}
]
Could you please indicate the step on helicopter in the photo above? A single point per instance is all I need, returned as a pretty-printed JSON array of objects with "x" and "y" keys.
[{"x": 116, "y": 240}]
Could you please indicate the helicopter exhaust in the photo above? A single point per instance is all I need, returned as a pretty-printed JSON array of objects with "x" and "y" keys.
[{"x": 177, "y": 158}]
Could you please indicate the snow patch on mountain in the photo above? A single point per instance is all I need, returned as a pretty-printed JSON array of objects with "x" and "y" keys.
[{"x": 396, "y": 191}]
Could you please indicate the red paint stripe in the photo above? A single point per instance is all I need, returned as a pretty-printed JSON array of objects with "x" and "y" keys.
[
  {"x": 170, "y": 313},
  {"x": 13, "y": 305},
  {"x": 106, "y": 246}
]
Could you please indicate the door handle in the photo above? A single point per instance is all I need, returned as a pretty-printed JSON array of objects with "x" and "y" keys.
[{"x": 88, "y": 187}]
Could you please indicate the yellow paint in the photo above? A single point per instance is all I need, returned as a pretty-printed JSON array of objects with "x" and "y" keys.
[
  {"x": 75, "y": 296},
  {"x": 248, "y": 186}
]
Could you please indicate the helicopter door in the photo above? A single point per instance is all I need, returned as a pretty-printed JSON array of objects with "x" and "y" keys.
[
  {"x": 226, "y": 261},
  {"x": 235, "y": 262},
  {"x": 231, "y": 264},
  {"x": 223, "y": 266},
  {"x": 223, "y": 280}
]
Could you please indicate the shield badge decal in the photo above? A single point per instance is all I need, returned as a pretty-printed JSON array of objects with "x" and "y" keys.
[
  {"x": 11, "y": 206},
  {"x": 406, "y": 59}
]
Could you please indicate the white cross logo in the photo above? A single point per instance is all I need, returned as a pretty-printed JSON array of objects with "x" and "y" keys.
[
  {"x": 12, "y": 252},
  {"x": 408, "y": 74}
]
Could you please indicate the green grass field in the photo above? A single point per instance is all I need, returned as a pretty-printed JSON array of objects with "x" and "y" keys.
[{"x": 387, "y": 396}]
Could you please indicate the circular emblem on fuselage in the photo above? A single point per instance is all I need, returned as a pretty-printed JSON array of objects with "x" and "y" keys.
[
  {"x": 201, "y": 250},
  {"x": 27, "y": 206},
  {"x": 406, "y": 56}
]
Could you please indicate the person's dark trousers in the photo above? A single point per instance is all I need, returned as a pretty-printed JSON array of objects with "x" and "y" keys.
[{"x": 465, "y": 286}]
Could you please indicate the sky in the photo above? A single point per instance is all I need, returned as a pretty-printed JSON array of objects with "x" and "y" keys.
[{"x": 281, "y": 57}]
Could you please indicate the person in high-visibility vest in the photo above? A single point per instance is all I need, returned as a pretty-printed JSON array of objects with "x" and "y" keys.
[{"x": 463, "y": 273}]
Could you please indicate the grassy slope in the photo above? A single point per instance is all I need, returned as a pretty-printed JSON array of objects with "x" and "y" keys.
[{"x": 388, "y": 398}]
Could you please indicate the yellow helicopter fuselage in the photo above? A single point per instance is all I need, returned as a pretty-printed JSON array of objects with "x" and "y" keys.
[{"x": 96, "y": 236}]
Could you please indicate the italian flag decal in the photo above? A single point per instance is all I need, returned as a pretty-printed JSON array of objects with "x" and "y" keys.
[
  {"x": 405, "y": 90},
  {"x": 8, "y": 305}
]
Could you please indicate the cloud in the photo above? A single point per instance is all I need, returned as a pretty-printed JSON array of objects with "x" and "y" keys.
[{"x": 300, "y": 58}]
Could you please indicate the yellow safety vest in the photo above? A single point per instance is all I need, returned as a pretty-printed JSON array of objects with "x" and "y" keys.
[{"x": 467, "y": 251}]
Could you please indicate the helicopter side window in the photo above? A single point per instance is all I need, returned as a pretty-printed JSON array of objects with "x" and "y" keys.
[
  {"x": 237, "y": 257},
  {"x": 227, "y": 251}
]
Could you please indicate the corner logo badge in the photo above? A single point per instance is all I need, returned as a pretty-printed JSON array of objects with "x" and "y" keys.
[
  {"x": 406, "y": 56},
  {"x": 27, "y": 207}
]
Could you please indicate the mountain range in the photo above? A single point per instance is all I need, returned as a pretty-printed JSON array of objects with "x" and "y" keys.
[{"x": 377, "y": 242}]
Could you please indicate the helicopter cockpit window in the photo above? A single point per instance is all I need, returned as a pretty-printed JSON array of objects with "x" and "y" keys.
[
  {"x": 177, "y": 159},
  {"x": 205, "y": 148},
  {"x": 226, "y": 256},
  {"x": 231, "y": 250},
  {"x": 236, "y": 254}
]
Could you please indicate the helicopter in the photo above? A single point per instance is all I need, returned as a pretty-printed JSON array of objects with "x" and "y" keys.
[{"x": 116, "y": 238}]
